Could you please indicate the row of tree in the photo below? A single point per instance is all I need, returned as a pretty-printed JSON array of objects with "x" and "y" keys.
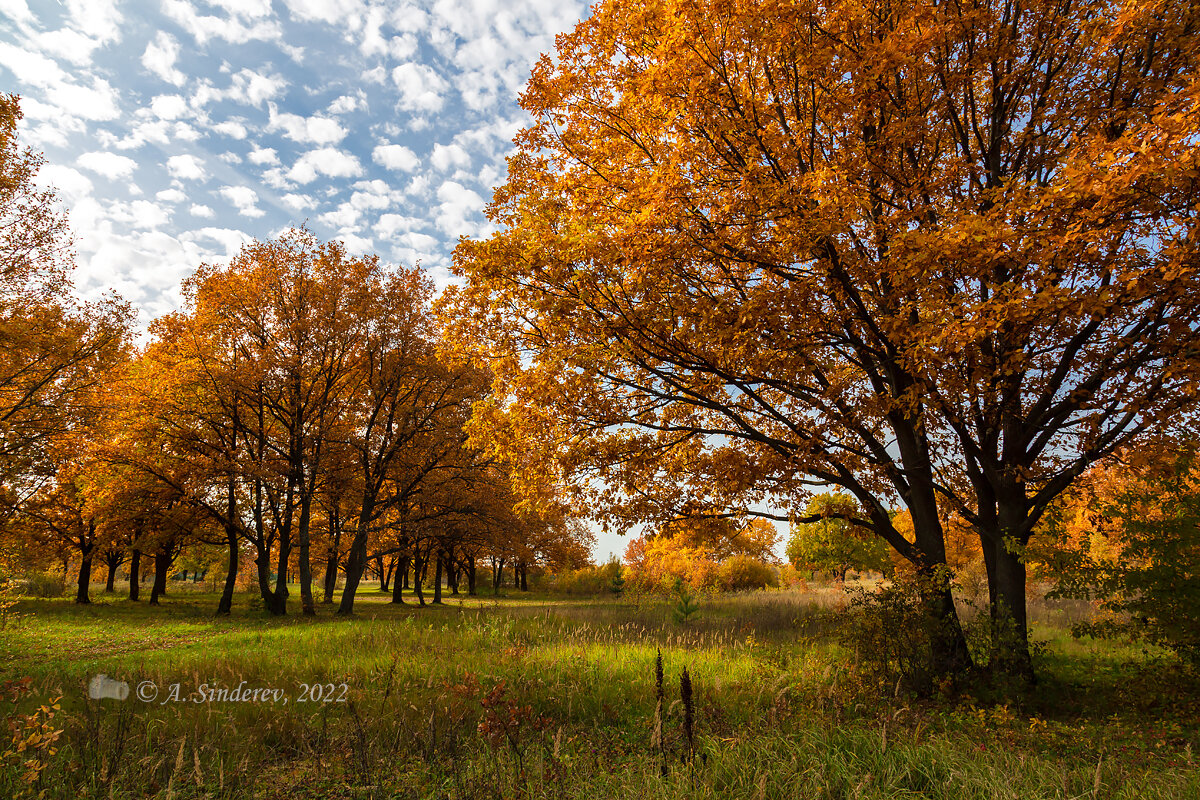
[{"x": 295, "y": 408}]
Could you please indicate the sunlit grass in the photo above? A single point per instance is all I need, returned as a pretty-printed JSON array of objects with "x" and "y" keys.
[{"x": 781, "y": 711}]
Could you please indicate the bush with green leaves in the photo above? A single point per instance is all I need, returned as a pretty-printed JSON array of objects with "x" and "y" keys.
[{"x": 1150, "y": 583}]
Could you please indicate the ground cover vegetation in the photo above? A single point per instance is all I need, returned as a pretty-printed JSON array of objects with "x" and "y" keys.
[
  {"x": 545, "y": 697},
  {"x": 917, "y": 280}
]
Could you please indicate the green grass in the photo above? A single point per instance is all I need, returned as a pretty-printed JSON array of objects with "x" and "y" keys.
[{"x": 535, "y": 696}]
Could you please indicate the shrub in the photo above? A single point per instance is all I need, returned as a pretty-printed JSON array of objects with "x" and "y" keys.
[
  {"x": 42, "y": 584},
  {"x": 743, "y": 572},
  {"x": 604, "y": 579}
]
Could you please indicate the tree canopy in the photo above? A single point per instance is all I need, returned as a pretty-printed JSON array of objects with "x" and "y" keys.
[{"x": 938, "y": 255}]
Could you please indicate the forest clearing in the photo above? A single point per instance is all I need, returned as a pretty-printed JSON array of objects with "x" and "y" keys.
[{"x": 551, "y": 697}]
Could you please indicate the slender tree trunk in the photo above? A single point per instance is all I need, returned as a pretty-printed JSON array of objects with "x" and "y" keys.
[
  {"x": 437, "y": 578},
  {"x": 471, "y": 575},
  {"x": 497, "y": 575},
  {"x": 225, "y": 604},
  {"x": 418, "y": 573},
  {"x": 385, "y": 576},
  {"x": 452, "y": 570},
  {"x": 524, "y": 577},
  {"x": 397, "y": 583},
  {"x": 308, "y": 606},
  {"x": 112, "y": 561},
  {"x": 135, "y": 578},
  {"x": 331, "y": 559}
]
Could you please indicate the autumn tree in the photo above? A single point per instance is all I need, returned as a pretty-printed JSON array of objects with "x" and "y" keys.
[
  {"x": 53, "y": 350},
  {"x": 938, "y": 256}
]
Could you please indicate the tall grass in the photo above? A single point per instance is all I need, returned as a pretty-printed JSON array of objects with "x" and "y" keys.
[{"x": 552, "y": 699}]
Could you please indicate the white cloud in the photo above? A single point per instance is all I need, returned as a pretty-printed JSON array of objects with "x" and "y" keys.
[
  {"x": 446, "y": 156},
  {"x": 388, "y": 225},
  {"x": 458, "y": 205},
  {"x": 67, "y": 44},
  {"x": 201, "y": 211},
  {"x": 395, "y": 156},
  {"x": 186, "y": 167},
  {"x": 254, "y": 88},
  {"x": 110, "y": 165},
  {"x": 347, "y": 103},
  {"x": 298, "y": 202},
  {"x": 204, "y": 27},
  {"x": 419, "y": 86},
  {"x": 328, "y": 11},
  {"x": 70, "y": 184},
  {"x": 170, "y": 196},
  {"x": 231, "y": 128},
  {"x": 97, "y": 102},
  {"x": 327, "y": 161},
  {"x": 16, "y": 10},
  {"x": 345, "y": 218},
  {"x": 168, "y": 106},
  {"x": 356, "y": 245},
  {"x": 99, "y": 18},
  {"x": 307, "y": 130},
  {"x": 263, "y": 155},
  {"x": 160, "y": 57},
  {"x": 140, "y": 214},
  {"x": 243, "y": 198}
]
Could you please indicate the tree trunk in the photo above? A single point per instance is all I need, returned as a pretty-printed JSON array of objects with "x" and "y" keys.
[
  {"x": 356, "y": 560},
  {"x": 471, "y": 575},
  {"x": 112, "y": 560},
  {"x": 437, "y": 578},
  {"x": 225, "y": 604},
  {"x": 417, "y": 573},
  {"x": 162, "y": 563},
  {"x": 1006, "y": 591},
  {"x": 135, "y": 568},
  {"x": 524, "y": 577},
  {"x": 385, "y": 576},
  {"x": 85, "y": 576},
  {"x": 308, "y": 606},
  {"x": 329, "y": 585},
  {"x": 397, "y": 585}
]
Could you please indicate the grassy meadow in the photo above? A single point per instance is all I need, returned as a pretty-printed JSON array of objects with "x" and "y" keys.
[{"x": 534, "y": 696}]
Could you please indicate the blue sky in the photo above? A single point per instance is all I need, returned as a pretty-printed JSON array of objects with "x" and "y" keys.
[{"x": 176, "y": 130}]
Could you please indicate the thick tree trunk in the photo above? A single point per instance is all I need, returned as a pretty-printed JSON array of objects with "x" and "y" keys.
[
  {"x": 85, "y": 577},
  {"x": 162, "y": 563},
  {"x": 135, "y": 578},
  {"x": 1007, "y": 578},
  {"x": 497, "y": 575},
  {"x": 524, "y": 577},
  {"x": 356, "y": 560}
]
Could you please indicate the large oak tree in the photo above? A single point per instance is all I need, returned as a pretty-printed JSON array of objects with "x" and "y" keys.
[{"x": 936, "y": 254}]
